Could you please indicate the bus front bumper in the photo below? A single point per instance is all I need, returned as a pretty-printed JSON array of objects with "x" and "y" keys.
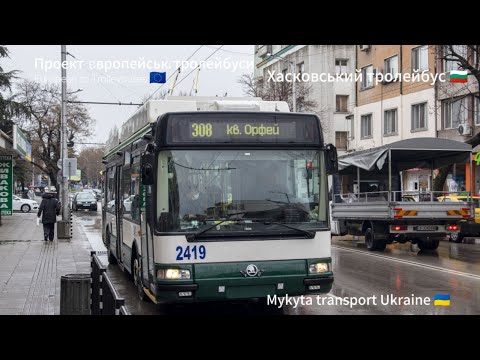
[{"x": 217, "y": 282}]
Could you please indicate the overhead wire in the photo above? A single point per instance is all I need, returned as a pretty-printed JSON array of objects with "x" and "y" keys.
[
  {"x": 166, "y": 81},
  {"x": 208, "y": 57},
  {"x": 230, "y": 51}
]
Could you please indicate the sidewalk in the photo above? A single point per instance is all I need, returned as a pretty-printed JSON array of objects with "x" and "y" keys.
[{"x": 30, "y": 268}]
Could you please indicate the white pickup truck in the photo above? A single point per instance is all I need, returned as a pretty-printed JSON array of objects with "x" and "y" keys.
[{"x": 388, "y": 214}]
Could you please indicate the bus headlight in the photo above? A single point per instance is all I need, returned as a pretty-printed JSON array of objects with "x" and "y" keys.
[
  {"x": 319, "y": 268},
  {"x": 173, "y": 274}
]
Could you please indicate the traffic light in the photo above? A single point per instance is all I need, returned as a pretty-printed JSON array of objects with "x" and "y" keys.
[
  {"x": 70, "y": 144},
  {"x": 309, "y": 166}
]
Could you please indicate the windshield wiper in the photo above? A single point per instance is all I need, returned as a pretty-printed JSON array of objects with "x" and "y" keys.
[
  {"x": 195, "y": 236},
  {"x": 308, "y": 234}
]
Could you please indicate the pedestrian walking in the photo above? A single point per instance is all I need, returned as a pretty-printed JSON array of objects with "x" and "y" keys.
[
  {"x": 50, "y": 208},
  {"x": 31, "y": 193}
]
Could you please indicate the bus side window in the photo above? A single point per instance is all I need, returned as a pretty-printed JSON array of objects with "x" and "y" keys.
[
  {"x": 135, "y": 189},
  {"x": 111, "y": 191}
]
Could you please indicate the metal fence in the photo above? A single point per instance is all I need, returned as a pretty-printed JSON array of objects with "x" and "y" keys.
[{"x": 105, "y": 300}]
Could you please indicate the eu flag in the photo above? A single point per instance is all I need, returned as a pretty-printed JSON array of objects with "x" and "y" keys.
[{"x": 158, "y": 77}]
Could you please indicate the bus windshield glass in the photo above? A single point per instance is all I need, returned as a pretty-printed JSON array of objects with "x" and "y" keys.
[{"x": 247, "y": 192}]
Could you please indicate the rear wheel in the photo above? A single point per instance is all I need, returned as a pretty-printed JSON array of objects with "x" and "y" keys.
[
  {"x": 456, "y": 237},
  {"x": 428, "y": 244},
  {"x": 372, "y": 243}
]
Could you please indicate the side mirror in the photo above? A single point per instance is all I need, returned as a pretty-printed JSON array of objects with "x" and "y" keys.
[
  {"x": 147, "y": 162},
  {"x": 331, "y": 159}
]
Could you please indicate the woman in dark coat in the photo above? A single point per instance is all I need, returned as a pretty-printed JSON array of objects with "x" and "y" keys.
[{"x": 50, "y": 207}]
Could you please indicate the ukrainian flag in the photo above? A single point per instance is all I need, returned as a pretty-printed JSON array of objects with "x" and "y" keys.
[{"x": 441, "y": 300}]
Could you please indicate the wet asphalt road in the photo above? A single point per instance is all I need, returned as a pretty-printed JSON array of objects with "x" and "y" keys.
[{"x": 400, "y": 271}]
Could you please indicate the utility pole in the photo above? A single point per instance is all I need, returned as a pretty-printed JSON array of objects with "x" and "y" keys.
[
  {"x": 63, "y": 226},
  {"x": 64, "y": 152}
]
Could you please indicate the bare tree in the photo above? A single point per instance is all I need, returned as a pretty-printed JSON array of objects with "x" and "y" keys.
[
  {"x": 42, "y": 124},
  {"x": 250, "y": 86},
  {"x": 464, "y": 57},
  {"x": 90, "y": 162},
  {"x": 282, "y": 91}
]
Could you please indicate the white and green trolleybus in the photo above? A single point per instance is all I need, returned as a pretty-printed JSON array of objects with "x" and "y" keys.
[{"x": 219, "y": 199}]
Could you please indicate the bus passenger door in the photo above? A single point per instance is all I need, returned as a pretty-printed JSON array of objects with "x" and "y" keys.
[
  {"x": 145, "y": 238},
  {"x": 119, "y": 214},
  {"x": 147, "y": 243}
]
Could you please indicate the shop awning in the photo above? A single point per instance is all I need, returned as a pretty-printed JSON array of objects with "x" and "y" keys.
[{"x": 408, "y": 154}]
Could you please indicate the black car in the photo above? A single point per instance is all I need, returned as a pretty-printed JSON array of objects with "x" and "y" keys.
[{"x": 84, "y": 200}]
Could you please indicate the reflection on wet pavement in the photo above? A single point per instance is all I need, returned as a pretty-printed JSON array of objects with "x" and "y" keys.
[
  {"x": 460, "y": 257},
  {"x": 91, "y": 223}
]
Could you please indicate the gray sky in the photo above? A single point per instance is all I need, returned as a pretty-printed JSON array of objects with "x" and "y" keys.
[{"x": 126, "y": 84}]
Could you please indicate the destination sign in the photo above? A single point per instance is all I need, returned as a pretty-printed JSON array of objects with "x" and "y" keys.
[{"x": 195, "y": 129}]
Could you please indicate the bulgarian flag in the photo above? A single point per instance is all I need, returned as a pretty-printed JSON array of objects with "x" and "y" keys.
[{"x": 458, "y": 76}]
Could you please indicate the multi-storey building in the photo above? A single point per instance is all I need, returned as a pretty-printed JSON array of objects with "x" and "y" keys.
[
  {"x": 390, "y": 109},
  {"x": 334, "y": 99}
]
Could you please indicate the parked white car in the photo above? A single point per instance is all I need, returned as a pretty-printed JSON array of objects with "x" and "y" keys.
[{"x": 24, "y": 205}]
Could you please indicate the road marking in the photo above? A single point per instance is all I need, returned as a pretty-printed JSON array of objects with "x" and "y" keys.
[{"x": 409, "y": 262}]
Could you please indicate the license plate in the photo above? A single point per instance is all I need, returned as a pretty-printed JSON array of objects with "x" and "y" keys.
[{"x": 425, "y": 228}]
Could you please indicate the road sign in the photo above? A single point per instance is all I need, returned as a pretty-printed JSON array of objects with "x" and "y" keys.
[
  {"x": 70, "y": 167},
  {"x": 6, "y": 184},
  {"x": 21, "y": 143}
]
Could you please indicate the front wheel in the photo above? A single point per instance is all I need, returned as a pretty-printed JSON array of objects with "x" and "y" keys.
[
  {"x": 25, "y": 208},
  {"x": 137, "y": 279},
  {"x": 111, "y": 257},
  {"x": 456, "y": 237}
]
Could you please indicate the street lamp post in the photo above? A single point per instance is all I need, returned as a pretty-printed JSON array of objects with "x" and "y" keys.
[
  {"x": 294, "y": 69},
  {"x": 63, "y": 127}
]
